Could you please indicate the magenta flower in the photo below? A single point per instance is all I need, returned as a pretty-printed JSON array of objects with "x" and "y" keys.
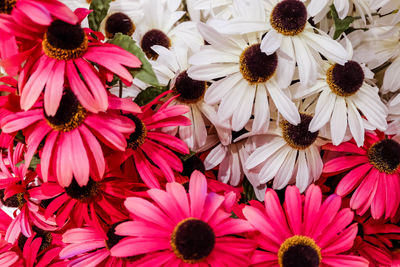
[
  {"x": 182, "y": 229},
  {"x": 303, "y": 233}
]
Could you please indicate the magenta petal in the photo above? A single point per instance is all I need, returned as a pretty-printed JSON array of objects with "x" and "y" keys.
[{"x": 54, "y": 88}]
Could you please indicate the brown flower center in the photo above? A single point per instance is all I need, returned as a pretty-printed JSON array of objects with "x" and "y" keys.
[
  {"x": 289, "y": 17},
  {"x": 70, "y": 113},
  {"x": 64, "y": 41},
  {"x": 299, "y": 251},
  {"x": 385, "y": 156},
  {"x": 85, "y": 193},
  {"x": 256, "y": 66},
  {"x": 298, "y": 136},
  {"x": 138, "y": 137},
  {"x": 154, "y": 37},
  {"x": 345, "y": 80},
  {"x": 119, "y": 22},
  {"x": 190, "y": 90},
  {"x": 192, "y": 240}
]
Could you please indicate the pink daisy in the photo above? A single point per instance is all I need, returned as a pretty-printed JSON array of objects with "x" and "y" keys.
[
  {"x": 16, "y": 185},
  {"x": 97, "y": 252},
  {"x": 374, "y": 174},
  {"x": 182, "y": 229},
  {"x": 151, "y": 150},
  {"x": 71, "y": 147},
  {"x": 66, "y": 50},
  {"x": 25, "y": 19},
  {"x": 8, "y": 257},
  {"x": 304, "y": 233},
  {"x": 97, "y": 203},
  {"x": 375, "y": 240}
]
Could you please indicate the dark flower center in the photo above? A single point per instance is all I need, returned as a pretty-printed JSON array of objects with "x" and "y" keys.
[
  {"x": 289, "y": 17},
  {"x": 138, "y": 137},
  {"x": 112, "y": 238},
  {"x": 6, "y": 6},
  {"x": 298, "y": 136},
  {"x": 256, "y": 66},
  {"x": 192, "y": 164},
  {"x": 15, "y": 201},
  {"x": 299, "y": 251},
  {"x": 84, "y": 193},
  {"x": 47, "y": 238},
  {"x": 190, "y": 90},
  {"x": 119, "y": 22},
  {"x": 345, "y": 80},
  {"x": 154, "y": 37},
  {"x": 64, "y": 41},
  {"x": 385, "y": 156},
  {"x": 192, "y": 240},
  {"x": 70, "y": 113}
]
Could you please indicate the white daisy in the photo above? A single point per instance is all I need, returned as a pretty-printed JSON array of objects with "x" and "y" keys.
[
  {"x": 230, "y": 156},
  {"x": 290, "y": 33},
  {"x": 247, "y": 79},
  {"x": 171, "y": 69},
  {"x": 381, "y": 45},
  {"x": 158, "y": 28},
  {"x": 320, "y": 8},
  {"x": 343, "y": 97},
  {"x": 288, "y": 154}
]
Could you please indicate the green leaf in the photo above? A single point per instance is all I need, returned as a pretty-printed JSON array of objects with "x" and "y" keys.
[
  {"x": 149, "y": 94},
  {"x": 145, "y": 73},
  {"x": 341, "y": 25},
  {"x": 185, "y": 157},
  {"x": 100, "y": 10}
]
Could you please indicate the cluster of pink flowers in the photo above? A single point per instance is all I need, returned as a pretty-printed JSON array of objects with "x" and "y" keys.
[{"x": 194, "y": 133}]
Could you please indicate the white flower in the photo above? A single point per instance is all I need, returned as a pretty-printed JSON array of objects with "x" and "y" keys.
[
  {"x": 158, "y": 27},
  {"x": 320, "y": 8},
  {"x": 171, "y": 69},
  {"x": 288, "y": 154},
  {"x": 247, "y": 79},
  {"x": 381, "y": 45},
  {"x": 342, "y": 95}
]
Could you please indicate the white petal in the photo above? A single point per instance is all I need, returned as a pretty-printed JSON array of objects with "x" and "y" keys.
[
  {"x": 215, "y": 157},
  {"x": 323, "y": 110},
  {"x": 314, "y": 162},
  {"x": 372, "y": 109},
  {"x": 286, "y": 64},
  {"x": 242, "y": 115},
  {"x": 273, "y": 164},
  {"x": 212, "y": 71},
  {"x": 216, "y": 39},
  {"x": 208, "y": 55},
  {"x": 316, "y": 6},
  {"x": 219, "y": 89},
  {"x": 391, "y": 80},
  {"x": 355, "y": 123},
  {"x": 264, "y": 152},
  {"x": 231, "y": 102},
  {"x": 339, "y": 121},
  {"x": 284, "y": 174},
  {"x": 301, "y": 92},
  {"x": 282, "y": 102},
  {"x": 261, "y": 111},
  {"x": 271, "y": 42},
  {"x": 328, "y": 47},
  {"x": 200, "y": 131},
  {"x": 306, "y": 63},
  {"x": 302, "y": 176}
]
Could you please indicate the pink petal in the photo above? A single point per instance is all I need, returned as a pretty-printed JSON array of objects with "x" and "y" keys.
[
  {"x": 77, "y": 157},
  {"x": 293, "y": 209},
  {"x": 348, "y": 182},
  {"x": 135, "y": 246},
  {"x": 54, "y": 88},
  {"x": 343, "y": 163},
  {"x": 198, "y": 193}
]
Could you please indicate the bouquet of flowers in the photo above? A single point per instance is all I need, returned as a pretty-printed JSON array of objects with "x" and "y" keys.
[{"x": 200, "y": 133}]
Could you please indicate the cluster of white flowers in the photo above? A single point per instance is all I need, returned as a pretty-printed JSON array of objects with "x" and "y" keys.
[{"x": 266, "y": 82}]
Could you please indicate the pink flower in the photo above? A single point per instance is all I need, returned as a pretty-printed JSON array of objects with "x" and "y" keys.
[
  {"x": 304, "y": 232},
  {"x": 63, "y": 53},
  {"x": 374, "y": 240},
  {"x": 16, "y": 184},
  {"x": 182, "y": 229},
  {"x": 374, "y": 174},
  {"x": 149, "y": 150},
  {"x": 95, "y": 253},
  {"x": 71, "y": 147},
  {"x": 98, "y": 203},
  {"x": 24, "y": 21}
]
